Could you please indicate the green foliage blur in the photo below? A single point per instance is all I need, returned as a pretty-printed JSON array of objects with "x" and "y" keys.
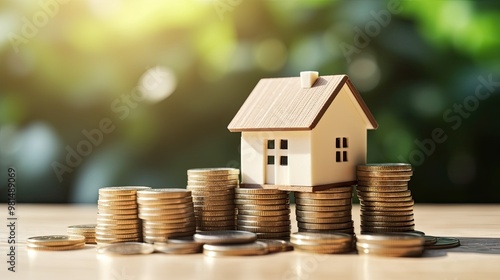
[{"x": 68, "y": 65}]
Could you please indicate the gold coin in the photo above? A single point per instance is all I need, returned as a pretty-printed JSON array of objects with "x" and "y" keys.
[
  {"x": 348, "y": 230},
  {"x": 212, "y": 186},
  {"x": 387, "y": 204},
  {"x": 386, "y": 229},
  {"x": 115, "y": 240},
  {"x": 116, "y": 198},
  {"x": 392, "y": 240},
  {"x": 222, "y": 194},
  {"x": 215, "y": 207},
  {"x": 117, "y": 203},
  {"x": 163, "y": 201},
  {"x": 152, "y": 211},
  {"x": 214, "y": 197},
  {"x": 385, "y": 199},
  {"x": 331, "y": 226},
  {"x": 248, "y": 249},
  {"x": 404, "y": 209},
  {"x": 405, "y": 193},
  {"x": 322, "y": 202},
  {"x": 378, "y": 174},
  {"x": 116, "y": 236},
  {"x": 323, "y": 208},
  {"x": 117, "y": 207},
  {"x": 216, "y": 218},
  {"x": 385, "y": 167},
  {"x": 167, "y": 218},
  {"x": 386, "y": 213},
  {"x": 334, "y": 250},
  {"x": 273, "y": 235},
  {"x": 325, "y": 220},
  {"x": 110, "y": 221},
  {"x": 215, "y": 223},
  {"x": 213, "y": 171},
  {"x": 341, "y": 189},
  {"x": 364, "y": 249},
  {"x": 129, "y": 248},
  {"x": 162, "y": 225},
  {"x": 319, "y": 238},
  {"x": 118, "y": 211},
  {"x": 83, "y": 228},
  {"x": 337, "y": 195},
  {"x": 86, "y": 235},
  {"x": 263, "y": 218},
  {"x": 264, "y": 229},
  {"x": 213, "y": 178},
  {"x": 263, "y": 223},
  {"x": 384, "y": 180},
  {"x": 258, "y": 191},
  {"x": 169, "y": 232},
  {"x": 262, "y": 196},
  {"x": 121, "y": 190},
  {"x": 225, "y": 237},
  {"x": 382, "y": 189},
  {"x": 56, "y": 248},
  {"x": 203, "y": 203},
  {"x": 380, "y": 183},
  {"x": 264, "y": 213},
  {"x": 387, "y": 218},
  {"x": 320, "y": 215},
  {"x": 207, "y": 228},
  {"x": 201, "y": 213},
  {"x": 56, "y": 240},
  {"x": 277, "y": 245},
  {"x": 263, "y": 207},
  {"x": 238, "y": 201},
  {"x": 164, "y": 193},
  {"x": 116, "y": 216},
  {"x": 387, "y": 223},
  {"x": 116, "y": 231}
]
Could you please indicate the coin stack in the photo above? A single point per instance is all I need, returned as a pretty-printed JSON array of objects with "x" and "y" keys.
[
  {"x": 213, "y": 196},
  {"x": 386, "y": 202},
  {"x": 117, "y": 219},
  {"x": 322, "y": 243},
  {"x": 393, "y": 245},
  {"x": 56, "y": 242},
  {"x": 88, "y": 231},
  {"x": 265, "y": 212},
  {"x": 325, "y": 211},
  {"x": 166, "y": 213}
]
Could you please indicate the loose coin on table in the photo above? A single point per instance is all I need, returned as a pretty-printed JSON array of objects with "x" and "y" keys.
[{"x": 56, "y": 242}]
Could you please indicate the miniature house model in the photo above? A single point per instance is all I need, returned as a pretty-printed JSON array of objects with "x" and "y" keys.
[{"x": 302, "y": 133}]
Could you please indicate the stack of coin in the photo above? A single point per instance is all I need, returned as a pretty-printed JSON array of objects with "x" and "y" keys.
[
  {"x": 178, "y": 246},
  {"x": 390, "y": 245},
  {"x": 325, "y": 211},
  {"x": 386, "y": 202},
  {"x": 230, "y": 243},
  {"x": 322, "y": 243},
  {"x": 88, "y": 231},
  {"x": 56, "y": 242},
  {"x": 213, "y": 196},
  {"x": 117, "y": 219},
  {"x": 166, "y": 213},
  {"x": 265, "y": 212}
]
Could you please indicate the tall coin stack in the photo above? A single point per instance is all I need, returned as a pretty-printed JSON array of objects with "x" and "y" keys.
[
  {"x": 166, "y": 213},
  {"x": 213, "y": 196},
  {"x": 265, "y": 212},
  {"x": 386, "y": 202},
  {"x": 325, "y": 211},
  {"x": 117, "y": 219}
]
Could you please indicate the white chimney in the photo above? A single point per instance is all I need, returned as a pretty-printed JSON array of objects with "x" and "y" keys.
[{"x": 307, "y": 78}]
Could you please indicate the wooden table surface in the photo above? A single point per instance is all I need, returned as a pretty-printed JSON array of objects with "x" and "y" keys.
[{"x": 477, "y": 226}]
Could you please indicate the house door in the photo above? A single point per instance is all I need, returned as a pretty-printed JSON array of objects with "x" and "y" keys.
[{"x": 277, "y": 172}]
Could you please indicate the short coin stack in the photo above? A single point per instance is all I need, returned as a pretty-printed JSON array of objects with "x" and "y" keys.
[
  {"x": 386, "y": 202},
  {"x": 88, "y": 231},
  {"x": 322, "y": 243},
  {"x": 213, "y": 196},
  {"x": 230, "y": 243},
  {"x": 325, "y": 211},
  {"x": 166, "y": 213},
  {"x": 394, "y": 245},
  {"x": 56, "y": 242},
  {"x": 117, "y": 219},
  {"x": 265, "y": 212}
]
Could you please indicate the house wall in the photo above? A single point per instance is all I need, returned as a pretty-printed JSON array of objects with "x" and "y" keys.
[
  {"x": 342, "y": 119},
  {"x": 254, "y": 156}
]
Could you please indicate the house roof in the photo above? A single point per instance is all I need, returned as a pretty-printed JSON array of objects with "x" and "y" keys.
[{"x": 279, "y": 104}]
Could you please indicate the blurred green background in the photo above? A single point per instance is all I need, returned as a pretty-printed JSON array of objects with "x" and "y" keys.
[{"x": 166, "y": 78}]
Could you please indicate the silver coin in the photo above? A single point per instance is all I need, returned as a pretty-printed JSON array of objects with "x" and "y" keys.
[
  {"x": 126, "y": 248},
  {"x": 225, "y": 237}
]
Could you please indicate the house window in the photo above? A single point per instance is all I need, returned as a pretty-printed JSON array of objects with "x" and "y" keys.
[
  {"x": 284, "y": 160},
  {"x": 341, "y": 144},
  {"x": 284, "y": 145},
  {"x": 270, "y": 160},
  {"x": 270, "y": 144}
]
